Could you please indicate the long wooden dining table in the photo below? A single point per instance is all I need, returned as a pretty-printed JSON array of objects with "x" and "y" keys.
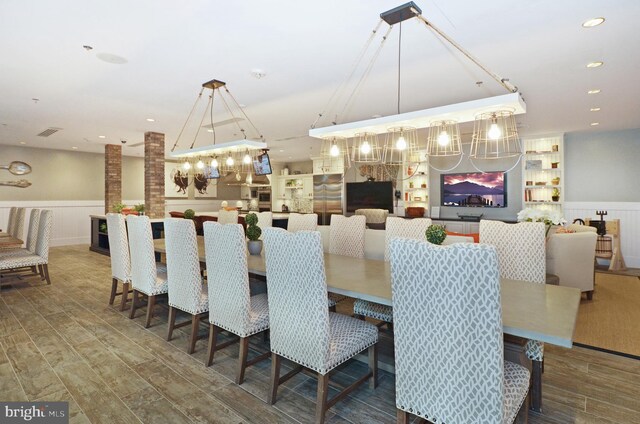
[
  {"x": 10, "y": 242},
  {"x": 534, "y": 311}
]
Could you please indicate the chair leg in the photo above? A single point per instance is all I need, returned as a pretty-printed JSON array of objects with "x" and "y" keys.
[
  {"x": 172, "y": 322},
  {"x": 213, "y": 334},
  {"x": 41, "y": 272},
  {"x": 321, "y": 399},
  {"x": 590, "y": 295},
  {"x": 332, "y": 308},
  {"x": 125, "y": 295},
  {"x": 151, "y": 303},
  {"x": 373, "y": 365},
  {"x": 536, "y": 386},
  {"x": 45, "y": 269},
  {"x": 242, "y": 359},
  {"x": 134, "y": 303},
  {"x": 114, "y": 289},
  {"x": 275, "y": 378},
  {"x": 402, "y": 417},
  {"x": 195, "y": 323}
]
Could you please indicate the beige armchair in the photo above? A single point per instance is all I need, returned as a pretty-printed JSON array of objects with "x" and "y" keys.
[{"x": 571, "y": 257}]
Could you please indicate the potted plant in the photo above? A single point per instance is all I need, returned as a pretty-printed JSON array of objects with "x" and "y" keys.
[
  {"x": 139, "y": 208},
  {"x": 253, "y": 234},
  {"x": 555, "y": 181},
  {"x": 555, "y": 195},
  {"x": 189, "y": 214},
  {"x": 118, "y": 207},
  {"x": 436, "y": 234}
]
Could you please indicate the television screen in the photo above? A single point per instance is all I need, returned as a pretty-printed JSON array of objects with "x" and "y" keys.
[
  {"x": 211, "y": 173},
  {"x": 262, "y": 165},
  {"x": 474, "y": 189},
  {"x": 370, "y": 195}
]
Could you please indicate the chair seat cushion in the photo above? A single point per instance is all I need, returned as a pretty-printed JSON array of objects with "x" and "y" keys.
[
  {"x": 259, "y": 314},
  {"x": 373, "y": 310},
  {"x": 21, "y": 261},
  {"x": 347, "y": 337},
  {"x": 534, "y": 350},
  {"x": 202, "y": 304},
  {"x": 516, "y": 386},
  {"x": 161, "y": 285}
]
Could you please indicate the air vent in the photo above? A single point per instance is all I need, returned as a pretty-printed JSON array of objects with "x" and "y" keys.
[{"x": 49, "y": 131}]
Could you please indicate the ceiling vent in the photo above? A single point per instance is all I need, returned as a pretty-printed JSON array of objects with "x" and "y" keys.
[{"x": 49, "y": 131}]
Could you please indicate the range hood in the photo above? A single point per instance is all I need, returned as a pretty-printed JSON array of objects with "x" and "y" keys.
[{"x": 240, "y": 179}]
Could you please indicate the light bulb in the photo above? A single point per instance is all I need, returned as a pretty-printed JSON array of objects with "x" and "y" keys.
[
  {"x": 443, "y": 138},
  {"x": 200, "y": 164},
  {"x": 229, "y": 161},
  {"x": 214, "y": 163},
  {"x": 335, "y": 150},
  {"x": 365, "y": 148},
  {"x": 494, "y": 132},
  {"x": 246, "y": 159},
  {"x": 401, "y": 143},
  {"x": 186, "y": 165}
]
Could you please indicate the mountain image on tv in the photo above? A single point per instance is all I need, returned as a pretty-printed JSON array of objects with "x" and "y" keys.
[{"x": 474, "y": 190}]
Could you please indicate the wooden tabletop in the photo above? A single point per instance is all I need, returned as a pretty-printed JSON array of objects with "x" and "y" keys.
[
  {"x": 529, "y": 310},
  {"x": 10, "y": 242}
]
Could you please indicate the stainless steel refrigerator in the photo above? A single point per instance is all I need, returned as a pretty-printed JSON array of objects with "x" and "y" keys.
[{"x": 327, "y": 196}]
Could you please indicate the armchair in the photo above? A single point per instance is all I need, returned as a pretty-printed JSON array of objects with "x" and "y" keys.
[{"x": 571, "y": 257}]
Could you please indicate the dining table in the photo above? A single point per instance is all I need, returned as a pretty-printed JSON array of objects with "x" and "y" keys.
[
  {"x": 10, "y": 242},
  {"x": 534, "y": 311}
]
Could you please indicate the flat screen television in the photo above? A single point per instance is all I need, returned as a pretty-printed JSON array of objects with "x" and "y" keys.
[
  {"x": 262, "y": 164},
  {"x": 211, "y": 173},
  {"x": 474, "y": 189},
  {"x": 370, "y": 195}
]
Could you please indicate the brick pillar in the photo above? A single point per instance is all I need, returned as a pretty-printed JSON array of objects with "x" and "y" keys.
[
  {"x": 154, "y": 174},
  {"x": 112, "y": 176}
]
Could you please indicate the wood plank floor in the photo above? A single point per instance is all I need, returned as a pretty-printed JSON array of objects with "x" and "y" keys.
[{"x": 63, "y": 342}]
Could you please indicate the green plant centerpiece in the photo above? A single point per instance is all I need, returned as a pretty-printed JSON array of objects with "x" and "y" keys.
[
  {"x": 436, "y": 234},
  {"x": 253, "y": 234},
  {"x": 189, "y": 214},
  {"x": 118, "y": 207},
  {"x": 139, "y": 208}
]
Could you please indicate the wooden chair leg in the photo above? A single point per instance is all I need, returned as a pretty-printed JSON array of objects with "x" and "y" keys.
[
  {"x": 373, "y": 365},
  {"x": 45, "y": 269},
  {"x": 114, "y": 289},
  {"x": 536, "y": 386},
  {"x": 125, "y": 295},
  {"x": 151, "y": 303},
  {"x": 275, "y": 378},
  {"x": 172, "y": 322},
  {"x": 242, "y": 359},
  {"x": 402, "y": 417},
  {"x": 590, "y": 295},
  {"x": 321, "y": 399},
  {"x": 213, "y": 334},
  {"x": 134, "y": 303},
  {"x": 332, "y": 308},
  {"x": 195, "y": 324},
  {"x": 41, "y": 272}
]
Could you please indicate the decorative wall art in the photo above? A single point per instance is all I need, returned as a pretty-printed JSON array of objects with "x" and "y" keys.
[
  {"x": 203, "y": 186},
  {"x": 176, "y": 180},
  {"x": 17, "y": 168}
]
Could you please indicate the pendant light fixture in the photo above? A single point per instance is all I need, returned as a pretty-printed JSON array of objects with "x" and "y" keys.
[
  {"x": 335, "y": 154},
  {"x": 365, "y": 148},
  {"x": 444, "y": 144},
  {"x": 401, "y": 146}
]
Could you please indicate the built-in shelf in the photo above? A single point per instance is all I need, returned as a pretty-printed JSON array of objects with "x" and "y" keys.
[{"x": 544, "y": 186}]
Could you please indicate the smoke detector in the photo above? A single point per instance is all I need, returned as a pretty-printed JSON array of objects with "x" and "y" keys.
[{"x": 258, "y": 73}]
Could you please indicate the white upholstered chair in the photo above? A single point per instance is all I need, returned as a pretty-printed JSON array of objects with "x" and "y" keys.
[
  {"x": 571, "y": 257},
  {"x": 347, "y": 235},
  {"x": 120, "y": 258},
  {"x": 12, "y": 217},
  {"x": 147, "y": 276},
  {"x": 16, "y": 228},
  {"x": 227, "y": 217},
  {"x": 265, "y": 220},
  {"x": 374, "y": 216},
  {"x": 521, "y": 255},
  {"x": 302, "y": 222},
  {"x": 231, "y": 307},
  {"x": 302, "y": 329},
  {"x": 32, "y": 237},
  {"x": 449, "y": 355},
  {"x": 187, "y": 291},
  {"x": 395, "y": 228}
]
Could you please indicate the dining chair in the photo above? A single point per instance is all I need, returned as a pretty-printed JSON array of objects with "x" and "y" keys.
[
  {"x": 521, "y": 255},
  {"x": 227, "y": 217},
  {"x": 32, "y": 237},
  {"x": 40, "y": 257},
  {"x": 147, "y": 276},
  {"x": 265, "y": 220},
  {"x": 448, "y": 342},
  {"x": 346, "y": 237},
  {"x": 10, "y": 221},
  {"x": 17, "y": 229},
  {"x": 187, "y": 289},
  {"x": 231, "y": 306},
  {"x": 376, "y": 218},
  {"x": 302, "y": 328},
  {"x": 395, "y": 228},
  {"x": 302, "y": 222},
  {"x": 120, "y": 258}
]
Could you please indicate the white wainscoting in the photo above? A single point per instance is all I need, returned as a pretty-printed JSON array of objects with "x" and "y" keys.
[{"x": 627, "y": 212}]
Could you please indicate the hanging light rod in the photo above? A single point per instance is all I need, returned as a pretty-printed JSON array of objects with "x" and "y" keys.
[
  {"x": 220, "y": 148},
  {"x": 401, "y": 13},
  {"x": 460, "y": 112}
]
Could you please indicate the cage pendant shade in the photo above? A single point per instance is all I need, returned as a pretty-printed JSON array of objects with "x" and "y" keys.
[
  {"x": 366, "y": 148},
  {"x": 400, "y": 146},
  {"x": 335, "y": 152},
  {"x": 495, "y": 136},
  {"x": 443, "y": 139}
]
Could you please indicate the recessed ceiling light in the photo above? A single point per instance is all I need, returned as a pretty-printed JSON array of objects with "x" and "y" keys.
[
  {"x": 112, "y": 58},
  {"x": 592, "y": 22},
  {"x": 102, "y": 136},
  {"x": 75, "y": 148},
  {"x": 23, "y": 142},
  {"x": 594, "y": 64},
  {"x": 595, "y": 109},
  {"x": 209, "y": 130},
  {"x": 594, "y": 91},
  {"x": 593, "y": 124},
  {"x": 281, "y": 151},
  {"x": 151, "y": 120}
]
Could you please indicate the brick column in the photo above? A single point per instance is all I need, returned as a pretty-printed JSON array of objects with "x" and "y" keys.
[
  {"x": 112, "y": 176},
  {"x": 154, "y": 174}
]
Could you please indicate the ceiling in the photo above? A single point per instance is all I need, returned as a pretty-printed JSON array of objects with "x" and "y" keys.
[{"x": 305, "y": 50}]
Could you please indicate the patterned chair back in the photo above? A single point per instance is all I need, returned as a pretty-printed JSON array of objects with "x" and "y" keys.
[
  {"x": 302, "y": 222},
  {"x": 32, "y": 233},
  {"x": 347, "y": 235},
  {"x": 183, "y": 264},
  {"x": 227, "y": 217},
  {"x": 297, "y": 292},
  {"x": 448, "y": 331},
  {"x": 45, "y": 223},
  {"x": 374, "y": 216},
  {"x": 265, "y": 220},
  {"x": 521, "y": 248},
  {"x": 10, "y": 222},
  {"x": 17, "y": 230},
  {"x": 119, "y": 247},
  {"x": 143, "y": 258},
  {"x": 404, "y": 228},
  {"x": 228, "y": 280}
]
